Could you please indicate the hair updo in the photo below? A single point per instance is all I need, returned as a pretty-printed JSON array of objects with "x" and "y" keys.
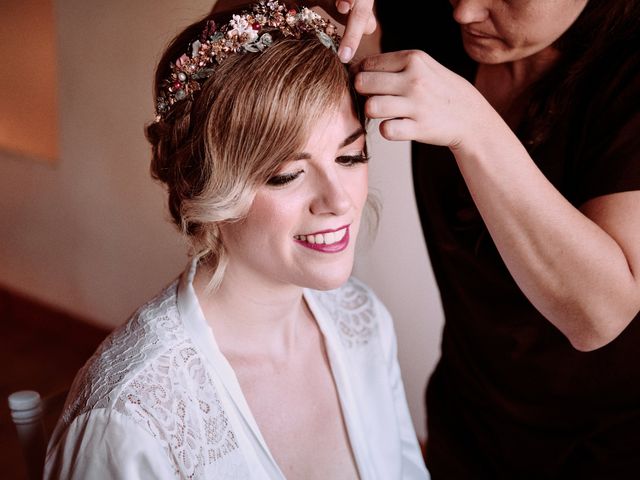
[{"x": 212, "y": 151}]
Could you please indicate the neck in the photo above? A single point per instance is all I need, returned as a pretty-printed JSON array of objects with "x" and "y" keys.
[
  {"x": 251, "y": 317},
  {"x": 525, "y": 71},
  {"x": 505, "y": 85}
]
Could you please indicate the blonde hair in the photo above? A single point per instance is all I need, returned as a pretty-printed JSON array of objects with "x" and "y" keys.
[{"x": 213, "y": 151}]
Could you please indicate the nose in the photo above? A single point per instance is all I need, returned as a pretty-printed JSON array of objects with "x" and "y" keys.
[
  {"x": 330, "y": 196},
  {"x": 470, "y": 11}
]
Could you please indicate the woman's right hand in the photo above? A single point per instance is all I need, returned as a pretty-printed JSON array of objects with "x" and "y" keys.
[
  {"x": 358, "y": 18},
  {"x": 419, "y": 99}
]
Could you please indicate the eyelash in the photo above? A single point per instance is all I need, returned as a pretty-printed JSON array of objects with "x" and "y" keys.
[
  {"x": 344, "y": 160},
  {"x": 279, "y": 180},
  {"x": 351, "y": 160}
]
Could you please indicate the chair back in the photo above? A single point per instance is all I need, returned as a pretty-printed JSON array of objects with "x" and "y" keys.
[{"x": 27, "y": 412}]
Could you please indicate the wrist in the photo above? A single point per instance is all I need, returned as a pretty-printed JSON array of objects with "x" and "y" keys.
[{"x": 485, "y": 131}]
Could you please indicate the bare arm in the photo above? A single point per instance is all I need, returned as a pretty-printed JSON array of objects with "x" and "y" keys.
[{"x": 578, "y": 267}]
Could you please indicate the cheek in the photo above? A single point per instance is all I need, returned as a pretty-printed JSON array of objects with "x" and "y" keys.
[
  {"x": 272, "y": 214},
  {"x": 542, "y": 23},
  {"x": 518, "y": 24}
]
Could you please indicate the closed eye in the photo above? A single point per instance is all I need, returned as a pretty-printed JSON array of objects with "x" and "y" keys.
[
  {"x": 351, "y": 160},
  {"x": 283, "y": 178}
]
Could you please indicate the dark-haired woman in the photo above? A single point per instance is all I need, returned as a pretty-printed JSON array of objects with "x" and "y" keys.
[{"x": 526, "y": 121}]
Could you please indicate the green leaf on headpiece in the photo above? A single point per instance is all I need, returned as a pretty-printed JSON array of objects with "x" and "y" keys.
[
  {"x": 251, "y": 47},
  {"x": 266, "y": 39},
  {"x": 202, "y": 74},
  {"x": 216, "y": 36},
  {"x": 326, "y": 40}
]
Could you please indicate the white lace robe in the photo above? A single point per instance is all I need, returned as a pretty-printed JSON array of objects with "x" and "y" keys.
[{"x": 159, "y": 400}]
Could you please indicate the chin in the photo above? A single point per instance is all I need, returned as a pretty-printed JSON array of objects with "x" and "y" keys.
[
  {"x": 328, "y": 280},
  {"x": 484, "y": 55}
]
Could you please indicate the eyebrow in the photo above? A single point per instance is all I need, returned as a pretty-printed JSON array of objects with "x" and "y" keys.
[
  {"x": 347, "y": 141},
  {"x": 353, "y": 137}
]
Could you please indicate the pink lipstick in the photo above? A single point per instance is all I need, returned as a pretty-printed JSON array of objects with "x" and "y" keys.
[{"x": 326, "y": 241}]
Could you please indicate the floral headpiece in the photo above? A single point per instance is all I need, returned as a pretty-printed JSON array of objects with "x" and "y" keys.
[{"x": 249, "y": 31}]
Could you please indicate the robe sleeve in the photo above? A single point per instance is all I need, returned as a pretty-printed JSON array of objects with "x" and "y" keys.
[
  {"x": 413, "y": 466},
  {"x": 104, "y": 444}
]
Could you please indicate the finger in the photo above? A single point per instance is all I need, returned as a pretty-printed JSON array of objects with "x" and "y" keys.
[
  {"x": 388, "y": 106},
  {"x": 398, "y": 129},
  {"x": 380, "y": 83},
  {"x": 356, "y": 25},
  {"x": 372, "y": 24},
  {"x": 392, "y": 61},
  {"x": 343, "y": 7}
]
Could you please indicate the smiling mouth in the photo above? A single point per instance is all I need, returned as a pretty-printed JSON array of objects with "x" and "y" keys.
[{"x": 327, "y": 241}]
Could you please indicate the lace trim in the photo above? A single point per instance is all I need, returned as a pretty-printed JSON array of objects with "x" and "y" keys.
[
  {"x": 123, "y": 352},
  {"x": 353, "y": 311},
  {"x": 166, "y": 389},
  {"x": 190, "y": 423}
]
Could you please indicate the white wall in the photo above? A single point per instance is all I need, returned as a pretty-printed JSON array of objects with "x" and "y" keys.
[
  {"x": 396, "y": 266},
  {"x": 90, "y": 234}
]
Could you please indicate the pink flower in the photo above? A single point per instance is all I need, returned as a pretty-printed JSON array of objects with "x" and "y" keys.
[{"x": 182, "y": 60}]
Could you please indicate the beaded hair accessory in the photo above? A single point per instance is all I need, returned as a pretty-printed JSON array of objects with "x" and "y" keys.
[{"x": 249, "y": 31}]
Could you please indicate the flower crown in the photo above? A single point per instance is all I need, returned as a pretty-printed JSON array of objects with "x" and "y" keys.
[{"x": 249, "y": 31}]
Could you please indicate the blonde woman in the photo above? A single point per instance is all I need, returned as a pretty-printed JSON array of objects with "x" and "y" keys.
[{"x": 264, "y": 359}]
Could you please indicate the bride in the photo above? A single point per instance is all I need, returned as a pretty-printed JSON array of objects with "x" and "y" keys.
[{"x": 264, "y": 359}]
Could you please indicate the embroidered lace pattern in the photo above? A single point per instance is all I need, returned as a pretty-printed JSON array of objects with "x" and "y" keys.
[
  {"x": 149, "y": 371},
  {"x": 353, "y": 311}
]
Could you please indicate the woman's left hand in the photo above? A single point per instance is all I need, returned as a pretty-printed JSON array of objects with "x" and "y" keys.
[{"x": 421, "y": 100}]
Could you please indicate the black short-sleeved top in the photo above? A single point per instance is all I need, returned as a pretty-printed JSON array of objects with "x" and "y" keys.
[{"x": 510, "y": 397}]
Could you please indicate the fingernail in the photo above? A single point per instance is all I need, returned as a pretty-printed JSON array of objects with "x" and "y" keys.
[
  {"x": 345, "y": 54},
  {"x": 344, "y": 7}
]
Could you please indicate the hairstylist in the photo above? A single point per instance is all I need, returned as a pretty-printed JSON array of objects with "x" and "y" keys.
[{"x": 526, "y": 164}]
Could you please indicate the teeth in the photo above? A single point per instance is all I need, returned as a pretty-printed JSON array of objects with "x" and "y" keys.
[
  {"x": 328, "y": 238},
  {"x": 339, "y": 235}
]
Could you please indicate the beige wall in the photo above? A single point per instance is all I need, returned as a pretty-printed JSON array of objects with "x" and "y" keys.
[
  {"x": 90, "y": 235},
  {"x": 27, "y": 85},
  {"x": 396, "y": 266}
]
